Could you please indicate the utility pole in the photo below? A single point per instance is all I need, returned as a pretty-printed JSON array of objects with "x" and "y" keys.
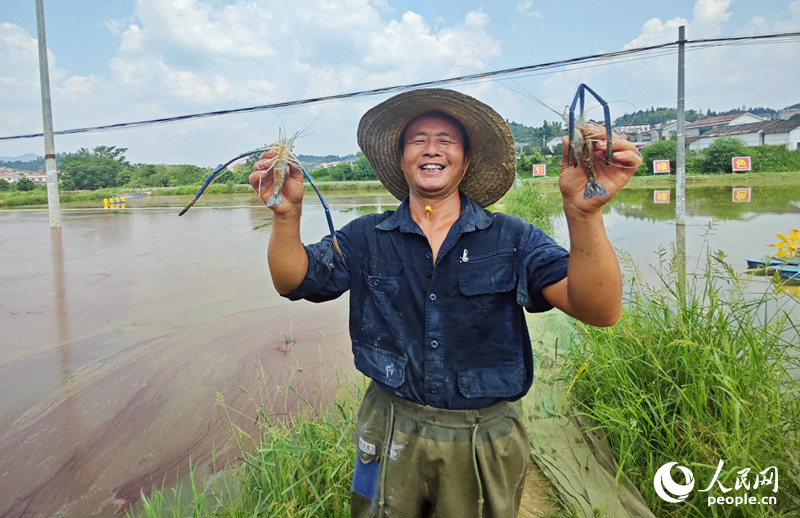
[
  {"x": 680, "y": 173},
  {"x": 51, "y": 170}
]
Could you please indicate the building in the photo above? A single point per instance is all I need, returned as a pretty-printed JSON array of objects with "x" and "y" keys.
[
  {"x": 702, "y": 126},
  {"x": 553, "y": 143},
  {"x": 10, "y": 175},
  {"x": 664, "y": 131},
  {"x": 769, "y": 133},
  {"x": 37, "y": 178},
  {"x": 787, "y": 112}
]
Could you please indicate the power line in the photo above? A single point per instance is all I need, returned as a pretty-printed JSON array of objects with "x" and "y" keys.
[{"x": 622, "y": 55}]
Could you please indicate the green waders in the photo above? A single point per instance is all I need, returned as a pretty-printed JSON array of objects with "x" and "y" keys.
[{"x": 419, "y": 461}]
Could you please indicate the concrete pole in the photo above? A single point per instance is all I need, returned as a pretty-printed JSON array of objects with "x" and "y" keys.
[
  {"x": 680, "y": 173},
  {"x": 51, "y": 170}
]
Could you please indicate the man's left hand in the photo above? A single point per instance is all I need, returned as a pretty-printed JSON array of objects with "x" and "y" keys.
[{"x": 613, "y": 176}]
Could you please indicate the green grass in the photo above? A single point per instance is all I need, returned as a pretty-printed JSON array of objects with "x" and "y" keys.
[
  {"x": 696, "y": 378},
  {"x": 39, "y": 196},
  {"x": 532, "y": 203},
  {"x": 543, "y": 186},
  {"x": 295, "y": 465}
]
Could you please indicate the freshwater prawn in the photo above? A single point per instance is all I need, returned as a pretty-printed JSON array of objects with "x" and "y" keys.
[
  {"x": 581, "y": 148},
  {"x": 282, "y": 158},
  {"x": 582, "y": 135}
]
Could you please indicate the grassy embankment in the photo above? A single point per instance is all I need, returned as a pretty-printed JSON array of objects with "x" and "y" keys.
[
  {"x": 300, "y": 465},
  {"x": 698, "y": 377},
  {"x": 547, "y": 185},
  {"x": 691, "y": 377},
  {"x": 38, "y": 197}
]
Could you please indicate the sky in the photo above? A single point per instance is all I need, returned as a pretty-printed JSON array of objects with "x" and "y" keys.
[{"x": 134, "y": 60}]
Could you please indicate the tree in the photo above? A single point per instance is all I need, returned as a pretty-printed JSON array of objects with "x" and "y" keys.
[
  {"x": 149, "y": 175},
  {"x": 25, "y": 184},
  {"x": 717, "y": 158},
  {"x": 95, "y": 169},
  {"x": 5, "y": 186},
  {"x": 362, "y": 169},
  {"x": 342, "y": 171},
  {"x": 660, "y": 150},
  {"x": 189, "y": 175}
]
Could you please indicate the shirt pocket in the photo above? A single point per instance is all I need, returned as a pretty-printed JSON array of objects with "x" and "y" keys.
[
  {"x": 488, "y": 273},
  {"x": 383, "y": 283},
  {"x": 490, "y": 325},
  {"x": 499, "y": 380},
  {"x": 379, "y": 364}
]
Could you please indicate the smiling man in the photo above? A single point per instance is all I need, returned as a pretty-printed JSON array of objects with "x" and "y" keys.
[{"x": 437, "y": 293}]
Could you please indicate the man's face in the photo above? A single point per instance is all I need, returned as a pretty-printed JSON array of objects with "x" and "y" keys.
[{"x": 433, "y": 157}]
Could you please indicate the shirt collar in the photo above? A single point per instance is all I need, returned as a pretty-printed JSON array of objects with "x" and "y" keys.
[{"x": 472, "y": 217}]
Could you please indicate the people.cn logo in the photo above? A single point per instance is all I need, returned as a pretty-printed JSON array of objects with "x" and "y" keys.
[{"x": 668, "y": 489}]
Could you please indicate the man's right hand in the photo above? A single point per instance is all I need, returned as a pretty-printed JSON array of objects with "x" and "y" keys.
[{"x": 263, "y": 182}]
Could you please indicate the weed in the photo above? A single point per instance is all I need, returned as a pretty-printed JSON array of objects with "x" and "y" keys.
[
  {"x": 696, "y": 377},
  {"x": 295, "y": 465}
]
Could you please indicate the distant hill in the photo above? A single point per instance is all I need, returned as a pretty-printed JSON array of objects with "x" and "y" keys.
[
  {"x": 314, "y": 161},
  {"x": 656, "y": 116},
  {"x": 26, "y": 162},
  {"x": 28, "y": 157}
]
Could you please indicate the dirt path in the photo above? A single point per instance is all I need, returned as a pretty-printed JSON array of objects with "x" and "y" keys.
[{"x": 536, "y": 499}]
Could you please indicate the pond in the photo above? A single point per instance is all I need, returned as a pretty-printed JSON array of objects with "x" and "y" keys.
[{"x": 125, "y": 331}]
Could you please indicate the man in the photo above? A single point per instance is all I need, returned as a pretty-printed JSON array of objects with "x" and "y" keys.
[{"x": 437, "y": 291}]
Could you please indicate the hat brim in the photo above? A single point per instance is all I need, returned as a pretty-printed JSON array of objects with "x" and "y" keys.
[{"x": 491, "y": 170}]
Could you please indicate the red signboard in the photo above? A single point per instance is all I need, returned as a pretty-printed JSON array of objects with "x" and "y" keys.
[
  {"x": 742, "y": 163},
  {"x": 539, "y": 169},
  {"x": 742, "y": 194},
  {"x": 661, "y": 196},
  {"x": 660, "y": 166}
]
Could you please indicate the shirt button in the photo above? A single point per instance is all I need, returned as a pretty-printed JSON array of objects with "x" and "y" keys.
[
  {"x": 428, "y": 255},
  {"x": 432, "y": 297},
  {"x": 434, "y": 344}
]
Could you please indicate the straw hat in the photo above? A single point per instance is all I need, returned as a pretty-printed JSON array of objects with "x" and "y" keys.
[{"x": 491, "y": 169}]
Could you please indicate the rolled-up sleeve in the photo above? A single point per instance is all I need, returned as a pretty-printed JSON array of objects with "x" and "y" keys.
[
  {"x": 544, "y": 263},
  {"x": 328, "y": 276}
]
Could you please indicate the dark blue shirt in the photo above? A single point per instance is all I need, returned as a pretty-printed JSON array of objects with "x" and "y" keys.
[{"x": 451, "y": 335}]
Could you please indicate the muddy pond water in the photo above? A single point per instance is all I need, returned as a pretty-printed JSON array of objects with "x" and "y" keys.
[{"x": 121, "y": 332}]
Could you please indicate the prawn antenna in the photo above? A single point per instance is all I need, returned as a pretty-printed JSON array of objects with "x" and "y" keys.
[
  {"x": 327, "y": 212},
  {"x": 215, "y": 174}
]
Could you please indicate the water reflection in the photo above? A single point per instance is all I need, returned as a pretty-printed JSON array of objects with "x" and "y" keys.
[
  {"x": 59, "y": 293},
  {"x": 680, "y": 256},
  {"x": 709, "y": 202}
]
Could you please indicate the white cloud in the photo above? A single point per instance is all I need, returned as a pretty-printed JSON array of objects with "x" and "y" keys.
[
  {"x": 716, "y": 78},
  {"x": 655, "y": 32},
  {"x": 449, "y": 51},
  {"x": 526, "y": 7},
  {"x": 709, "y": 17},
  {"x": 19, "y": 79},
  {"x": 187, "y": 56}
]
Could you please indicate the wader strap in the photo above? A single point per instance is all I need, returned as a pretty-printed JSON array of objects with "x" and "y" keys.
[
  {"x": 387, "y": 448},
  {"x": 475, "y": 465}
]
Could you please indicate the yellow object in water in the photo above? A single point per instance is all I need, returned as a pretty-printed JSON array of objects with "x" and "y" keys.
[{"x": 789, "y": 247}]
